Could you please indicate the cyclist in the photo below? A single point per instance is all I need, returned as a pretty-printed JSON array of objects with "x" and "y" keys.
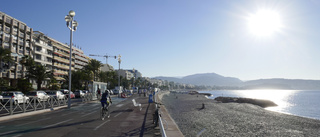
[{"x": 105, "y": 99}]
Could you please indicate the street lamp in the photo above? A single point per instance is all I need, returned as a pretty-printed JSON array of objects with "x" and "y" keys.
[
  {"x": 72, "y": 25},
  {"x": 134, "y": 76},
  {"x": 119, "y": 60}
]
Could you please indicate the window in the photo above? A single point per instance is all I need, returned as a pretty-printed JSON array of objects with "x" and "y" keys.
[
  {"x": 21, "y": 41},
  {"x": 21, "y": 34},
  {"x": 15, "y": 30},
  {"x": 49, "y": 52},
  {"x": 38, "y": 48},
  {"x": 14, "y": 38},
  {"x": 38, "y": 56},
  {"x": 8, "y": 20},
  {"x": 15, "y": 23},
  {"x": 7, "y": 29},
  {"x": 6, "y": 45},
  {"x": 22, "y": 27},
  {"x": 6, "y": 37},
  {"x": 19, "y": 67},
  {"x": 20, "y": 49}
]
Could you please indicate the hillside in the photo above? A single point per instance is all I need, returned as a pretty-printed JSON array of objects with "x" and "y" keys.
[{"x": 213, "y": 79}]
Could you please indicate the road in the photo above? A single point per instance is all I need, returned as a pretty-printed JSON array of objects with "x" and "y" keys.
[{"x": 84, "y": 120}]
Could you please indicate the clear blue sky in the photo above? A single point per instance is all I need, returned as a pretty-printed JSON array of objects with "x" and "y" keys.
[{"x": 183, "y": 37}]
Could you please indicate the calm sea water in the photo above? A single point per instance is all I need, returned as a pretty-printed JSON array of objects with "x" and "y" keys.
[{"x": 296, "y": 102}]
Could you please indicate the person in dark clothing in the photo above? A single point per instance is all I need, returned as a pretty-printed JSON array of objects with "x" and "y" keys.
[{"x": 105, "y": 99}]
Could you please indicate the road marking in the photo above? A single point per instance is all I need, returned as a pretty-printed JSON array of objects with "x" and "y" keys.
[
  {"x": 57, "y": 123},
  {"x": 101, "y": 124},
  {"x": 88, "y": 114},
  {"x": 32, "y": 122},
  {"x": 118, "y": 114},
  {"x": 8, "y": 132},
  {"x": 119, "y": 105}
]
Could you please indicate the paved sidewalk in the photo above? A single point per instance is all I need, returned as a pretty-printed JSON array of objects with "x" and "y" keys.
[{"x": 83, "y": 120}]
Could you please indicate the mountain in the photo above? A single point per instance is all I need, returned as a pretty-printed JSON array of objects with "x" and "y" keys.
[
  {"x": 213, "y": 79},
  {"x": 208, "y": 79},
  {"x": 279, "y": 83}
]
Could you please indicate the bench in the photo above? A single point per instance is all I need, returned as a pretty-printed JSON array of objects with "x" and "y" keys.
[{"x": 136, "y": 104}]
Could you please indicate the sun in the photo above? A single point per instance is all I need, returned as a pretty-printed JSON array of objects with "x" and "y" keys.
[{"x": 264, "y": 22}]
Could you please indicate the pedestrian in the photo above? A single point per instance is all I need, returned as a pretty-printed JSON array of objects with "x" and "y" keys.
[{"x": 98, "y": 93}]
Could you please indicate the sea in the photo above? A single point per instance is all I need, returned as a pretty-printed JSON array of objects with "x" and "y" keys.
[{"x": 303, "y": 103}]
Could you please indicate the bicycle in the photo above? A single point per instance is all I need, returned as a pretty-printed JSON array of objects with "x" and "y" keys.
[{"x": 104, "y": 111}]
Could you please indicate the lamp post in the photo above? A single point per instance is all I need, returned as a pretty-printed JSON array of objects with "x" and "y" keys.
[
  {"x": 72, "y": 25},
  {"x": 119, "y": 60},
  {"x": 134, "y": 76}
]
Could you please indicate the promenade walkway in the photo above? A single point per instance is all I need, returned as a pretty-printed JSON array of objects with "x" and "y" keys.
[{"x": 83, "y": 120}]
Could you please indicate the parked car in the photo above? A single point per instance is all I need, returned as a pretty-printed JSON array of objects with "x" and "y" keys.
[
  {"x": 66, "y": 93},
  {"x": 72, "y": 95},
  {"x": 41, "y": 95},
  {"x": 17, "y": 96},
  {"x": 116, "y": 91},
  {"x": 1, "y": 97},
  {"x": 56, "y": 94},
  {"x": 79, "y": 93}
]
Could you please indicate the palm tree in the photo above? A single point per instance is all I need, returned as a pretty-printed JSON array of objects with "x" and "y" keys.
[
  {"x": 94, "y": 66},
  {"x": 39, "y": 73}
]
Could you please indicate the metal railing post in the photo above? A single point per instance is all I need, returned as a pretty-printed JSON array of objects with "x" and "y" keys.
[
  {"x": 11, "y": 106},
  {"x": 24, "y": 105},
  {"x": 44, "y": 104},
  {"x": 34, "y": 104}
]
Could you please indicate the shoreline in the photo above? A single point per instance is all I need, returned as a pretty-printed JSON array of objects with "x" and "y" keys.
[{"x": 233, "y": 119}]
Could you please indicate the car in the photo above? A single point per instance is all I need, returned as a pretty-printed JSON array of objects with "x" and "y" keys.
[
  {"x": 17, "y": 96},
  {"x": 72, "y": 95},
  {"x": 41, "y": 95},
  {"x": 116, "y": 91},
  {"x": 79, "y": 93},
  {"x": 66, "y": 93},
  {"x": 56, "y": 94},
  {"x": 1, "y": 97}
]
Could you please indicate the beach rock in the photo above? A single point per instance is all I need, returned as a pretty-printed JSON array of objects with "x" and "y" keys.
[{"x": 260, "y": 102}]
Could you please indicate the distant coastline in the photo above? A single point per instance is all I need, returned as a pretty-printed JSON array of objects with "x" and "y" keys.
[{"x": 218, "y": 82}]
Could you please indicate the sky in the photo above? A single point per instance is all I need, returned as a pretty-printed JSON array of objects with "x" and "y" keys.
[{"x": 185, "y": 37}]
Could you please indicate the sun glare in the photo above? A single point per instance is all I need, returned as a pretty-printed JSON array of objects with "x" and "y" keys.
[{"x": 264, "y": 22}]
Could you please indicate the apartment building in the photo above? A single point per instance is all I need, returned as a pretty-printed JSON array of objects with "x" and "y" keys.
[
  {"x": 106, "y": 68},
  {"x": 80, "y": 58},
  {"x": 43, "y": 49},
  {"x": 55, "y": 55},
  {"x": 16, "y": 36},
  {"x": 128, "y": 74}
]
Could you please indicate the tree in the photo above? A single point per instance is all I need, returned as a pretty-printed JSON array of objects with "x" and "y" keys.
[
  {"x": 94, "y": 66},
  {"x": 4, "y": 84},
  {"x": 5, "y": 57},
  {"x": 29, "y": 63},
  {"x": 39, "y": 73},
  {"x": 24, "y": 85}
]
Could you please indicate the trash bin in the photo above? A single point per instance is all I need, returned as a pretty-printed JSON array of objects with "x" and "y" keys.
[{"x": 150, "y": 98}]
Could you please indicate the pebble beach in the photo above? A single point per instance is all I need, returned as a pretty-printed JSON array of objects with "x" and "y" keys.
[{"x": 233, "y": 119}]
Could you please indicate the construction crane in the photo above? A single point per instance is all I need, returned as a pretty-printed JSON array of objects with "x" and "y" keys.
[{"x": 106, "y": 56}]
